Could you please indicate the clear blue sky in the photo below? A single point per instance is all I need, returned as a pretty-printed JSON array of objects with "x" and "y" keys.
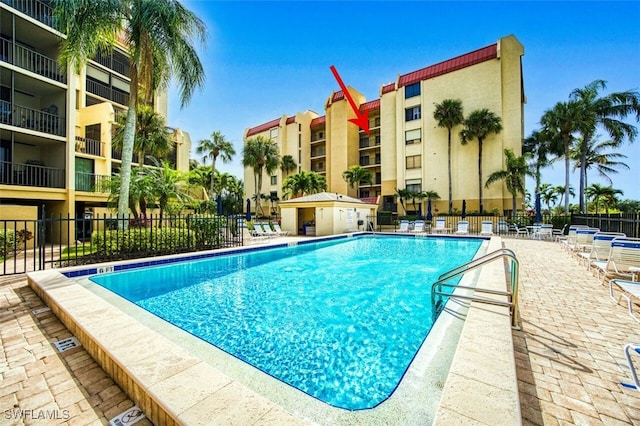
[{"x": 265, "y": 59}]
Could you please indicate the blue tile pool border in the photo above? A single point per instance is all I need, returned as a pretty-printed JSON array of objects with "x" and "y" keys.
[{"x": 123, "y": 265}]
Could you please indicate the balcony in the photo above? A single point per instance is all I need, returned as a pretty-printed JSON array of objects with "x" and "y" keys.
[
  {"x": 38, "y": 10},
  {"x": 89, "y": 146},
  {"x": 31, "y": 175},
  {"x": 44, "y": 120},
  {"x": 107, "y": 92},
  {"x": 318, "y": 153},
  {"x": 30, "y": 60},
  {"x": 115, "y": 61},
  {"x": 89, "y": 182}
]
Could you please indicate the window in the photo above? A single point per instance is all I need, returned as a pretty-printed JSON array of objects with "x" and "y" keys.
[
  {"x": 274, "y": 180},
  {"x": 414, "y": 185},
  {"x": 412, "y": 90},
  {"x": 299, "y": 141},
  {"x": 273, "y": 133},
  {"x": 93, "y": 131},
  {"x": 364, "y": 193},
  {"x": 412, "y": 113},
  {"x": 414, "y": 161},
  {"x": 364, "y": 141},
  {"x": 364, "y": 160},
  {"x": 412, "y": 136}
]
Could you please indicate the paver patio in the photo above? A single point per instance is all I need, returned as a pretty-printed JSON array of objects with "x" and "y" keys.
[{"x": 569, "y": 352}]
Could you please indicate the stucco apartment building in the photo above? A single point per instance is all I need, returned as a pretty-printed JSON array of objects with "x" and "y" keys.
[
  {"x": 56, "y": 125},
  {"x": 405, "y": 147}
]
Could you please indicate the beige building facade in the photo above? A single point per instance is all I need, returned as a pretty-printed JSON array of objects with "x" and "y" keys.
[
  {"x": 56, "y": 125},
  {"x": 405, "y": 148}
]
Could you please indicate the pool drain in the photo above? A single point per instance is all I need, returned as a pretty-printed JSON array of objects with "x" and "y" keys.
[{"x": 66, "y": 344}]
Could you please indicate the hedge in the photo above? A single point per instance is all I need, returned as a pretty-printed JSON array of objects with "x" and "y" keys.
[{"x": 143, "y": 240}]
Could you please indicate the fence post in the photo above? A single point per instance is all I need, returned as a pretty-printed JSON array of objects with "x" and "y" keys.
[{"x": 41, "y": 232}]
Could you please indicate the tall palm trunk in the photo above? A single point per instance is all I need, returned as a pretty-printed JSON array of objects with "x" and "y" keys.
[
  {"x": 583, "y": 171},
  {"x": 480, "y": 174},
  {"x": 449, "y": 171},
  {"x": 258, "y": 192},
  {"x": 213, "y": 175},
  {"x": 127, "y": 150},
  {"x": 566, "y": 176}
]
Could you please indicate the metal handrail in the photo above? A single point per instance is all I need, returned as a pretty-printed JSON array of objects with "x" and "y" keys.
[{"x": 436, "y": 288}]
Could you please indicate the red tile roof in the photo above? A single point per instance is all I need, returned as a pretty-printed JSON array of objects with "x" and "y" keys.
[
  {"x": 388, "y": 88},
  {"x": 370, "y": 106},
  {"x": 291, "y": 119},
  {"x": 371, "y": 200},
  {"x": 261, "y": 128},
  {"x": 454, "y": 64},
  {"x": 318, "y": 121}
]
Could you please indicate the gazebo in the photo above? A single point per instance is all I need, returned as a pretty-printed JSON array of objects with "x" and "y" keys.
[{"x": 326, "y": 213}]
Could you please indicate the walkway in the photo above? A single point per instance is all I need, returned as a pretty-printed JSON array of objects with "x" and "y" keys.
[{"x": 569, "y": 352}]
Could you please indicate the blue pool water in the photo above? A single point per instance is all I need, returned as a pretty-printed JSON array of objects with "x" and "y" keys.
[{"x": 340, "y": 320}]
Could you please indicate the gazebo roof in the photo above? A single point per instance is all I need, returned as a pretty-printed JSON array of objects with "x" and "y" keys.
[{"x": 323, "y": 196}]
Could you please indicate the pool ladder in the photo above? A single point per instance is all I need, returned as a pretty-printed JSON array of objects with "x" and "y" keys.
[{"x": 512, "y": 295}]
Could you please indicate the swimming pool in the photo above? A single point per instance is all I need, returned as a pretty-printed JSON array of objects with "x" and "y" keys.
[{"x": 340, "y": 320}]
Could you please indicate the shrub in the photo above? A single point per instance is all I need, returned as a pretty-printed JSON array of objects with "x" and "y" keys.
[
  {"x": 143, "y": 240},
  {"x": 7, "y": 242},
  {"x": 207, "y": 229}
]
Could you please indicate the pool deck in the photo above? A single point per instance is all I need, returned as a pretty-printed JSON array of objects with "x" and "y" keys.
[{"x": 569, "y": 355}]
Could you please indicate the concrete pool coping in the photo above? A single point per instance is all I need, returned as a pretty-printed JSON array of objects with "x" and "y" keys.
[{"x": 173, "y": 386}]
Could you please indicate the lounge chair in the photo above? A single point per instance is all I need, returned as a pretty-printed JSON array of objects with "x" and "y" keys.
[
  {"x": 503, "y": 227},
  {"x": 258, "y": 231},
  {"x": 623, "y": 261},
  {"x": 558, "y": 233},
  {"x": 463, "y": 227},
  {"x": 543, "y": 232},
  {"x": 418, "y": 226},
  {"x": 278, "y": 230},
  {"x": 404, "y": 226},
  {"x": 583, "y": 240},
  {"x": 520, "y": 230},
  {"x": 487, "y": 228},
  {"x": 634, "y": 375},
  {"x": 600, "y": 248},
  {"x": 440, "y": 226},
  {"x": 268, "y": 231},
  {"x": 570, "y": 238},
  {"x": 250, "y": 237},
  {"x": 629, "y": 290}
]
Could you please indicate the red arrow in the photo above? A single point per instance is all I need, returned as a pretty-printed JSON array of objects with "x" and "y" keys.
[{"x": 361, "y": 120}]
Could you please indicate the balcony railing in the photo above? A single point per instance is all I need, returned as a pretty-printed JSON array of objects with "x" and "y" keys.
[
  {"x": 30, "y": 175},
  {"x": 31, "y": 60},
  {"x": 89, "y": 146},
  {"x": 111, "y": 62},
  {"x": 107, "y": 92},
  {"x": 318, "y": 153},
  {"x": 29, "y": 118},
  {"x": 89, "y": 182},
  {"x": 39, "y": 10}
]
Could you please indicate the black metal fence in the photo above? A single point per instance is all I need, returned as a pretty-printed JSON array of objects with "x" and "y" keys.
[
  {"x": 628, "y": 223},
  {"x": 32, "y": 245}
]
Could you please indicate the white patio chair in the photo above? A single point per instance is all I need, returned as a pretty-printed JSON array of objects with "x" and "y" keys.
[
  {"x": 463, "y": 227},
  {"x": 440, "y": 226},
  {"x": 487, "y": 228}
]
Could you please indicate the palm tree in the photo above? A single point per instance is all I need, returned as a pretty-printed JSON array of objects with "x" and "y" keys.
[
  {"x": 449, "y": 115},
  {"x": 167, "y": 185},
  {"x": 304, "y": 183},
  {"x": 158, "y": 37},
  {"x": 140, "y": 193},
  {"x": 602, "y": 194},
  {"x": 262, "y": 155},
  {"x": 402, "y": 195},
  {"x": 606, "y": 111},
  {"x": 151, "y": 135},
  {"x": 537, "y": 148},
  {"x": 513, "y": 176},
  {"x": 559, "y": 124},
  {"x": 562, "y": 192},
  {"x": 287, "y": 164},
  {"x": 604, "y": 163},
  {"x": 213, "y": 148},
  {"x": 479, "y": 124},
  {"x": 356, "y": 175},
  {"x": 548, "y": 195}
]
